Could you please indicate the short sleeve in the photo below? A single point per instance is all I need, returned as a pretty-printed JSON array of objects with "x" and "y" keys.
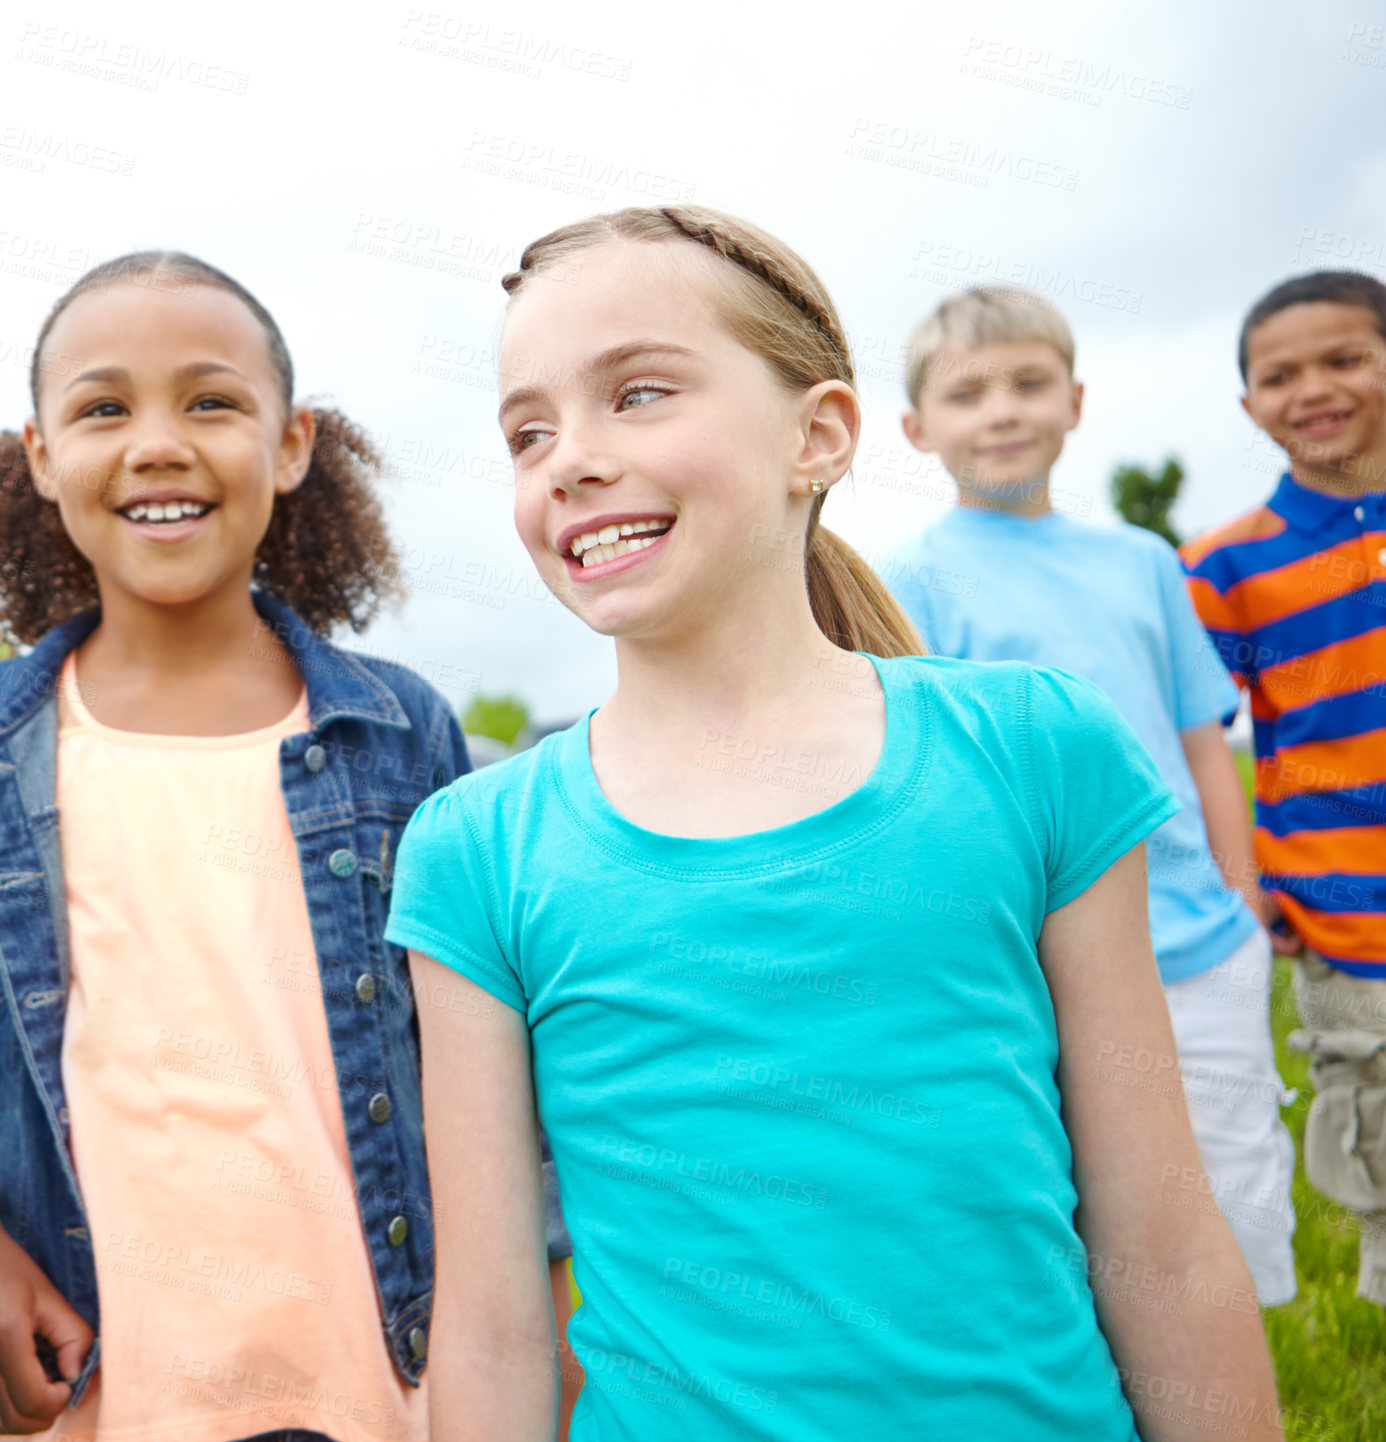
[
  {"x": 1094, "y": 792},
  {"x": 442, "y": 901},
  {"x": 441, "y": 905},
  {"x": 1203, "y": 691}
]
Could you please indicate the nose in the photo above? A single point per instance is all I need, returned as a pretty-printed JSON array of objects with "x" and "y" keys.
[
  {"x": 1316, "y": 384},
  {"x": 1001, "y": 407},
  {"x": 576, "y": 460},
  {"x": 156, "y": 442}
]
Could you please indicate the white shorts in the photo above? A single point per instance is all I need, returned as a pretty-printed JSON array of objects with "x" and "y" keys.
[{"x": 1222, "y": 1029}]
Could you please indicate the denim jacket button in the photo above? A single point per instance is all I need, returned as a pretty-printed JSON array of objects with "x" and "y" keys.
[
  {"x": 399, "y": 1230},
  {"x": 342, "y": 863},
  {"x": 365, "y": 987},
  {"x": 315, "y": 758},
  {"x": 379, "y": 1107},
  {"x": 418, "y": 1343}
]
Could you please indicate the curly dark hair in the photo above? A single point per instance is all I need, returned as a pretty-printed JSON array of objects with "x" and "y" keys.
[{"x": 326, "y": 552}]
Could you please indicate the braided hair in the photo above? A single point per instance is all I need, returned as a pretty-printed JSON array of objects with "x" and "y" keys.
[{"x": 777, "y": 307}]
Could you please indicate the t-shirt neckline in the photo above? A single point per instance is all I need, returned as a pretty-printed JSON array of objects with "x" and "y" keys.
[
  {"x": 72, "y": 698},
  {"x": 979, "y": 515},
  {"x": 892, "y": 783}
]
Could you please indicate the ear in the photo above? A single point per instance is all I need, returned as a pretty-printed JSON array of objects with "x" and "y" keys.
[
  {"x": 39, "y": 461},
  {"x": 912, "y": 423},
  {"x": 1246, "y": 406},
  {"x": 1077, "y": 413},
  {"x": 829, "y": 427},
  {"x": 296, "y": 449}
]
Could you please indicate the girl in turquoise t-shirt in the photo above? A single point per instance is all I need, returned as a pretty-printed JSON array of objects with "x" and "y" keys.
[{"x": 825, "y": 966}]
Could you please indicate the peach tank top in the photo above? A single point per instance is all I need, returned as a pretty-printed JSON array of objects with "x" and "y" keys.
[{"x": 234, "y": 1277}]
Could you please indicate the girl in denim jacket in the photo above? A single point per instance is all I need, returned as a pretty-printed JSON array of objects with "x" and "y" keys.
[{"x": 211, "y": 1140}]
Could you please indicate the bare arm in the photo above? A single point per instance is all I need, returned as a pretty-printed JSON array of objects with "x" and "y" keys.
[
  {"x": 493, "y": 1374},
  {"x": 1174, "y": 1296},
  {"x": 569, "y": 1368},
  {"x": 1219, "y": 784}
]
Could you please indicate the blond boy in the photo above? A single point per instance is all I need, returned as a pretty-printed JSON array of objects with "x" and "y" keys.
[{"x": 992, "y": 393}]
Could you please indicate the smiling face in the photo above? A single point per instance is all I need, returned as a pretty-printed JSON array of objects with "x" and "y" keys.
[
  {"x": 997, "y": 415},
  {"x": 1316, "y": 384},
  {"x": 165, "y": 440},
  {"x": 653, "y": 450}
]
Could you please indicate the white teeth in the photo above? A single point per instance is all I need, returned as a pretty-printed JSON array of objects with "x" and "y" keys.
[
  {"x": 167, "y": 511},
  {"x": 608, "y": 535},
  {"x": 600, "y": 553}
]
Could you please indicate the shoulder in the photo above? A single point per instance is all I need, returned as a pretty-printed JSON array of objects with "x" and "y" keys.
[
  {"x": 421, "y": 701},
  {"x": 1124, "y": 539},
  {"x": 983, "y": 699},
  {"x": 1159, "y": 559},
  {"x": 909, "y": 558},
  {"x": 1006, "y": 694},
  {"x": 1220, "y": 554},
  {"x": 1013, "y": 721},
  {"x": 498, "y": 801},
  {"x": 1142, "y": 542},
  {"x": 1058, "y": 700}
]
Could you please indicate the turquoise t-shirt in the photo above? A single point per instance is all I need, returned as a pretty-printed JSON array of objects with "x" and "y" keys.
[
  {"x": 1109, "y": 604},
  {"x": 800, "y": 1084}
]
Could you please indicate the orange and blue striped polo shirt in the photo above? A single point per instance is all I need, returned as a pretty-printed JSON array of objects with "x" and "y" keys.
[{"x": 1294, "y": 596}]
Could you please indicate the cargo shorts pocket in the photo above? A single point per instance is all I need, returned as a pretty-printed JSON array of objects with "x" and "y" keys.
[{"x": 1345, "y": 1134}]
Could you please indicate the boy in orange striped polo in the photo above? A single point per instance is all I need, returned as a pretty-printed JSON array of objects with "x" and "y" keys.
[{"x": 1294, "y": 597}]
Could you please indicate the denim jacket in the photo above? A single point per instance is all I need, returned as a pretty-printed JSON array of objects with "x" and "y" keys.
[{"x": 380, "y": 739}]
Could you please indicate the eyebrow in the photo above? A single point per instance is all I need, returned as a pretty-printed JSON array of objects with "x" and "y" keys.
[
  {"x": 1280, "y": 362},
  {"x": 118, "y": 373},
  {"x": 605, "y": 360}
]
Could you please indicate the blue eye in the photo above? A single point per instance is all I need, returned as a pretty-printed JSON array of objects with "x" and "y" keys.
[
  {"x": 518, "y": 442},
  {"x": 638, "y": 391}
]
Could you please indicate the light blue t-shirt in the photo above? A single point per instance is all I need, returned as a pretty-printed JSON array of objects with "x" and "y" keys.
[
  {"x": 1109, "y": 604},
  {"x": 800, "y": 1084}
]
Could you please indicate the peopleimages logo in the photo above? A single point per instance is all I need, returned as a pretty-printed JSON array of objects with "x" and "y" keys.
[
  {"x": 731, "y": 1285},
  {"x": 603, "y": 1368},
  {"x": 666, "y": 1161},
  {"x": 830, "y": 1091}
]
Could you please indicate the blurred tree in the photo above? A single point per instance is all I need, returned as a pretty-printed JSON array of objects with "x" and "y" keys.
[
  {"x": 502, "y": 718},
  {"x": 1145, "y": 499}
]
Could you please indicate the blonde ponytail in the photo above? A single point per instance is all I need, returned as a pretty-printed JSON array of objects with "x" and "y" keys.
[{"x": 850, "y": 602}]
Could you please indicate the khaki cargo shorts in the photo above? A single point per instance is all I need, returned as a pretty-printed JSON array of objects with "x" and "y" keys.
[{"x": 1344, "y": 1033}]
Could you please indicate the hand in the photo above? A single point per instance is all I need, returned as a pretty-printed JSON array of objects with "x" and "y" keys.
[
  {"x": 1284, "y": 941},
  {"x": 30, "y": 1305}
]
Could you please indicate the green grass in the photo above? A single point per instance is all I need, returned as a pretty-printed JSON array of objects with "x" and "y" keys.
[{"x": 1328, "y": 1345}]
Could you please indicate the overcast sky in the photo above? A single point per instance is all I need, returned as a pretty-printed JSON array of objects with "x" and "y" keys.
[{"x": 370, "y": 172}]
